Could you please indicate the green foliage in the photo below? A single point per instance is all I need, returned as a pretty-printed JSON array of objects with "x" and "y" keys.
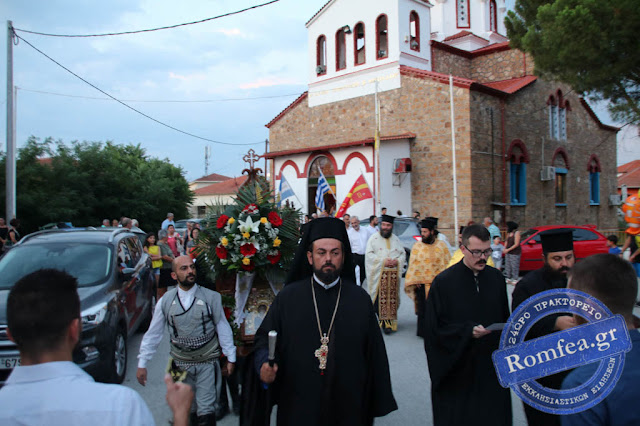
[
  {"x": 592, "y": 45},
  {"x": 86, "y": 182}
]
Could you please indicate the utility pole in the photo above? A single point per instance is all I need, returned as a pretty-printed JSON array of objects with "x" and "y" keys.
[
  {"x": 206, "y": 160},
  {"x": 11, "y": 135}
]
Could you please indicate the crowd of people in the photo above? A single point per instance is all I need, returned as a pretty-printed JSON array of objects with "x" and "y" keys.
[{"x": 329, "y": 364}]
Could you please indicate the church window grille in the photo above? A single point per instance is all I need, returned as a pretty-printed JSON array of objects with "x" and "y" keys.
[
  {"x": 359, "y": 45},
  {"x": 594, "y": 180},
  {"x": 414, "y": 31},
  {"x": 561, "y": 186},
  {"x": 462, "y": 14},
  {"x": 518, "y": 175},
  {"x": 382, "y": 37}
]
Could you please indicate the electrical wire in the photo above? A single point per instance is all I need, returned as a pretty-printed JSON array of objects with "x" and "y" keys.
[
  {"x": 150, "y": 29},
  {"x": 160, "y": 101},
  {"x": 129, "y": 106}
]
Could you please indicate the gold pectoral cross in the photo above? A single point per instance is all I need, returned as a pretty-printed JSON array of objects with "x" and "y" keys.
[{"x": 321, "y": 353}]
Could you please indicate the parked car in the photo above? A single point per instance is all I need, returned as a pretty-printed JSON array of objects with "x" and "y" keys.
[
  {"x": 408, "y": 230},
  {"x": 115, "y": 285},
  {"x": 586, "y": 241},
  {"x": 181, "y": 225}
]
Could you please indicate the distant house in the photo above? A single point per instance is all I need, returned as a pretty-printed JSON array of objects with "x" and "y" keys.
[
  {"x": 221, "y": 192},
  {"x": 629, "y": 177},
  {"x": 207, "y": 180}
]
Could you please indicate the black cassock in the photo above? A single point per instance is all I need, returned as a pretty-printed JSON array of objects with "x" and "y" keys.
[
  {"x": 464, "y": 386},
  {"x": 531, "y": 284},
  {"x": 356, "y": 386}
]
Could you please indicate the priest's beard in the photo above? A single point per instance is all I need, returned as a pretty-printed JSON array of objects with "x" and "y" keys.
[
  {"x": 559, "y": 274},
  {"x": 430, "y": 239},
  {"x": 386, "y": 233},
  {"x": 327, "y": 273}
]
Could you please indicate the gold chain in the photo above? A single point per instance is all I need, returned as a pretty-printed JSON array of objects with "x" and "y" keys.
[{"x": 335, "y": 310}]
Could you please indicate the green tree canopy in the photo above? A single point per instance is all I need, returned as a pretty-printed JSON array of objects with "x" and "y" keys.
[
  {"x": 591, "y": 45},
  {"x": 85, "y": 182}
]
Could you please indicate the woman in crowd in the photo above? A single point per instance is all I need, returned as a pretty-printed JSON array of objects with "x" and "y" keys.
[
  {"x": 512, "y": 253},
  {"x": 192, "y": 250},
  {"x": 153, "y": 251},
  {"x": 174, "y": 239},
  {"x": 4, "y": 232}
]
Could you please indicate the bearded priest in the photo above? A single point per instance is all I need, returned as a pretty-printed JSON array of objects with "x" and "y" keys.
[{"x": 331, "y": 365}]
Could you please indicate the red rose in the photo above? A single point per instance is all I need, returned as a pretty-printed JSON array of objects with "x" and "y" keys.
[
  {"x": 221, "y": 252},
  {"x": 250, "y": 267},
  {"x": 227, "y": 312},
  {"x": 274, "y": 258},
  {"x": 274, "y": 219},
  {"x": 248, "y": 249},
  {"x": 222, "y": 221}
]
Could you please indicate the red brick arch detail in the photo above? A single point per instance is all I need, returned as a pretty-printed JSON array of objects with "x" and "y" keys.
[
  {"x": 289, "y": 163},
  {"x": 515, "y": 158},
  {"x": 368, "y": 168},
  {"x": 593, "y": 166},
  {"x": 563, "y": 153},
  {"x": 316, "y": 154}
]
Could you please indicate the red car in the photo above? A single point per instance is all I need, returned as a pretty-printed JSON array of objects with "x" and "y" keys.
[{"x": 586, "y": 241}]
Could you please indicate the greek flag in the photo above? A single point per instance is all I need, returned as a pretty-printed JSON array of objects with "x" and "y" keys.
[
  {"x": 285, "y": 190},
  {"x": 323, "y": 188}
]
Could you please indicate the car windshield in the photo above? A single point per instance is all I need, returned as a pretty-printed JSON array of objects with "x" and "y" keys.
[
  {"x": 89, "y": 263},
  {"x": 529, "y": 232},
  {"x": 405, "y": 228}
]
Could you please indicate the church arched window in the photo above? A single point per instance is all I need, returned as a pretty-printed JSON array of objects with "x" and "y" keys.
[
  {"x": 382, "y": 37},
  {"x": 518, "y": 157},
  {"x": 341, "y": 50},
  {"x": 321, "y": 55},
  {"x": 322, "y": 165},
  {"x": 414, "y": 31},
  {"x": 593, "y": 167},
  {"x": 358, "y": 44},
  {"x": 493, "y": 16}
]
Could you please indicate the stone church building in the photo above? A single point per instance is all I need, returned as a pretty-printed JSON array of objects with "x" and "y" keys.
[{"x": 526, "y": 149}]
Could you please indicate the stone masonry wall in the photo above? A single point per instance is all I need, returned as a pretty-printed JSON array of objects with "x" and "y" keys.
[
  {"x": 527, "y": 119},
  {"x": 446, "y": 62},
  {"x": 501, "y": 65}
]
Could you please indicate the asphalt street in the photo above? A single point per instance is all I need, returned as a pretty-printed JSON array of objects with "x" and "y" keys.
[{"x": 409, "y": 376}]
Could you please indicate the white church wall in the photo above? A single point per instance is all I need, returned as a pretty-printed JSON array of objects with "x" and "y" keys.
[
  {"x": 394, "y": 197},
  {"x": 298, "y": 185},
  {"x": 417, "y": 59}
]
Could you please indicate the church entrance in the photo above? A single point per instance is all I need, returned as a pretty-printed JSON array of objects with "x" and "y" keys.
[{"x": 321, "y": 164}]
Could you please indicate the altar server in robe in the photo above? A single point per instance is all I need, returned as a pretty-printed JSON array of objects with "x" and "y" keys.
[{"x": 464, "y": 300}]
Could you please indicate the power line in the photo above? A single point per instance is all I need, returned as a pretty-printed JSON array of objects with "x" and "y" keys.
[
  {"x": 148, "y": 30},
  {"x": 128, "y": 106},
  {"x": 160, "y": 100}
]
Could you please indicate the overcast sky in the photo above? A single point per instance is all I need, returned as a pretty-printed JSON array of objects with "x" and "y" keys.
[{"x": 251, "y": 65}]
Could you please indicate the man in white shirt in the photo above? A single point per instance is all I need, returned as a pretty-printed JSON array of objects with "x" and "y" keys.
[
  {"x": 372, "y": 228},
  {"x": 198, "y": 329},
  {"x": 358, "y": 239},
  {"x": 43, "y": 315}
]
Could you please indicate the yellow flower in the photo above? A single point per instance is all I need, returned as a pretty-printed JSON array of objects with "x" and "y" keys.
[
  {"x": 224, "y": 241},
  {"x": 263, "y": 220},
  {"x": 277, "y": 242},
  {"x": 246, "y": 235},
  {"x": 230, "y": 221},
  {"x": 246, "y": 261}
]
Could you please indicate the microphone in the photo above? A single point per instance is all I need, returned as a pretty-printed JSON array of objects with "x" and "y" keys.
[{"x": 273, "y": 335}]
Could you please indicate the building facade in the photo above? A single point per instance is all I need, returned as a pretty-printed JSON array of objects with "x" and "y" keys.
[{"x": 526, "y": 149}]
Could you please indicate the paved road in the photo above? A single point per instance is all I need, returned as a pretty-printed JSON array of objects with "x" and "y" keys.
[{"x": 409, "y": 374}]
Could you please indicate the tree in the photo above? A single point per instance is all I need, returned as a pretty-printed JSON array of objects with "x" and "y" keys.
[
  {"x": 592, "y": 45},
  {"x": 85, "y": 182}
]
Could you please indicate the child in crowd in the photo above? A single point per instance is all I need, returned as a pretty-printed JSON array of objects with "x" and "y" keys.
[
  {"x": 497, "y": 248},
  {"x": 612, "y": 243},
  {"x": 153, "y": 251}
]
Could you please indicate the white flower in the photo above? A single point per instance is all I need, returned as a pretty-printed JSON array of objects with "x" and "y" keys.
[{"x": 249, "y": 225}]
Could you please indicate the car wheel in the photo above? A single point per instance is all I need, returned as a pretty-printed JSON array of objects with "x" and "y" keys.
[{"x": 117, "y": 367}]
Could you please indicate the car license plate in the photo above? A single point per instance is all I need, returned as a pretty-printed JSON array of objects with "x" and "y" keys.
[{"x": 7, "y": 363}]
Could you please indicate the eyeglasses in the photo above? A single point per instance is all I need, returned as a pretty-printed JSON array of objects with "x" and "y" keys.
[{"x": 478, "y": 253}]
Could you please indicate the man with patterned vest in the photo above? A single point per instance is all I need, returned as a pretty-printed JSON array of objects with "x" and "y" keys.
[
  {"x": 198, "y": 330},
  {"x": 428, "y": 258}
]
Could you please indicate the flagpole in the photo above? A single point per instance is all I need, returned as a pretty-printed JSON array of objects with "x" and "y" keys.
[
  {"x": 453, "y": 158},
  {"x": 376, "y": 149}
]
